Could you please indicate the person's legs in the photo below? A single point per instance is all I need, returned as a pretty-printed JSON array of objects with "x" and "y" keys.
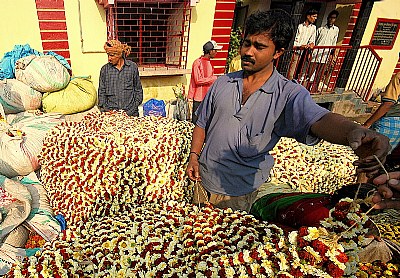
[
  {"x": 317, "y": 72},
  {"x": 196, "y": 105},
  {"x": 201, "y": 195},
  {"x": 293, "y": 66},
  {"x": 236, "y": 203}
]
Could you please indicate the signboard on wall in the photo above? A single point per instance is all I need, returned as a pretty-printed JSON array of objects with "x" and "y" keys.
[{"x": 385, "y": 33}]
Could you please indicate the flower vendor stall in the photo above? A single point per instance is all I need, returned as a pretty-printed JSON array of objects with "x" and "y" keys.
[{"x": 120, "y": 184}]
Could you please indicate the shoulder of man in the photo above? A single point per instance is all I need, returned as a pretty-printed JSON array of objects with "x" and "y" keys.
[
  {"x": 290, "y": 86},
  {"x": 105, "y": 67},
  {"x": 130, "y": 63}
]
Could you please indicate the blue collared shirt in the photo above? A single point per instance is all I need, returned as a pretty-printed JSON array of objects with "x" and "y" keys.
[{"x": 235, "y": 159}]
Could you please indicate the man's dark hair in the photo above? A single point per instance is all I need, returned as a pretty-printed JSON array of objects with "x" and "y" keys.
[
  {"x": 277, "y": 23},
  {"x": 311, "y": 12},
  {"x": 334, "y": 12}
]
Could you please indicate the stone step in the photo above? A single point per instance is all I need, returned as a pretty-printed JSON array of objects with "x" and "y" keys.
[{"x": 347, "y": 103}]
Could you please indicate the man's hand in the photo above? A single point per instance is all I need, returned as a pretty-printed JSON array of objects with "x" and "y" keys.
[
  {"x": 367, "y": 144},
  {"x": 192, "y": 170},
  {"x": 388, "y": 195}
]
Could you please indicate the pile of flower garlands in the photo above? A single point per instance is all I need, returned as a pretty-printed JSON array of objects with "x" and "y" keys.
[
  {"x": 348, "y": 225},
  {"x": 378, "y": 269},
  {"x": 178, "y": 240},
  {"x": 321, "y": 169},
  {"x": 99, "y": 165},
  {"x": 388, "y": 223}
]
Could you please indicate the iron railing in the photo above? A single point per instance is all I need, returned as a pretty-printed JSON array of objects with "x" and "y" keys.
[{"x": 318, "y": 69}]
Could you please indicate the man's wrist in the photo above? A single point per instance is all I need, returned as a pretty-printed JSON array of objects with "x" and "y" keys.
[{"x": 195, "y": 154}]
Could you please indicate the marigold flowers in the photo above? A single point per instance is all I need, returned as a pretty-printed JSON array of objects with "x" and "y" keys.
[{"x": 99, "y": 165}]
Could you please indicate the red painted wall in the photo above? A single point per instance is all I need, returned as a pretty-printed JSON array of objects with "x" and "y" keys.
[
  {"x": 53, "y": 27},
  {"x": 223, "y": 19}
]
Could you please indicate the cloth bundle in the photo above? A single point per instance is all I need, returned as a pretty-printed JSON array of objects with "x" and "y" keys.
[{"x": 116, "y": 47}]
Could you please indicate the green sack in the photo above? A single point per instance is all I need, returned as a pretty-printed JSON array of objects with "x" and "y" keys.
[{"x": 80, "y": 95}]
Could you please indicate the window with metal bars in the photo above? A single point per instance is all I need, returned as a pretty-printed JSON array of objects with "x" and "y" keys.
[{"x": 157, "y": 31}]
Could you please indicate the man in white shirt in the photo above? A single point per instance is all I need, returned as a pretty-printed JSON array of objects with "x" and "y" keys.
[
  {"x": 327, "y": 35},
  {"x": 303, "y": 41}
]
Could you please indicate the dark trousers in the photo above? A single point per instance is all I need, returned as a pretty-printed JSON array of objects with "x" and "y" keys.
[{"x": 196, "y": 105}]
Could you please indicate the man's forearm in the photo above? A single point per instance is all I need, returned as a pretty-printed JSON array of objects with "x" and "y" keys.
[
  {"x": 198, "y": 138},
  {"x": 379, "y": 113},
  {"x": 334, "y": 128}
]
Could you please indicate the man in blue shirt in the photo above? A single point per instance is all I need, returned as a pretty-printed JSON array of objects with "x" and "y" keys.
[
  {"x": 119, "y": 84},
  {"x": 245, "y": 113}
]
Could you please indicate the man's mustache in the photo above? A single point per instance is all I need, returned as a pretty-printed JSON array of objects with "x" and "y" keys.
[{"x": 248, "y": 59}]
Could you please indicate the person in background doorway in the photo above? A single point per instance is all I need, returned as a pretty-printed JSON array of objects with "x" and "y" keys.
[
  {"x": 119, "y": 84},
  {"x": 245, "y": 113},
  {"x": 202, "y": 76},
  {"x": 303, "y": 42},
  {"x": 327, "y": 35}
]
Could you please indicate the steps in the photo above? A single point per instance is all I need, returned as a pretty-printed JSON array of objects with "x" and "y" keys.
[{"x": 348, "y": 103}]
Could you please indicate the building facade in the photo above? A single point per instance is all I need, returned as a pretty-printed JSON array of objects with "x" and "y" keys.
[{"x": 167, "y": 36}]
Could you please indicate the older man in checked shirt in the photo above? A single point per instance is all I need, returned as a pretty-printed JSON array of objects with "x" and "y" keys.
[{"x": 119, "y": 84}]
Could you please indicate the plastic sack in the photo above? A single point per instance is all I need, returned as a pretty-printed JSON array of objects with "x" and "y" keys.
[
  {"x": 41, "y": 217},
  {"x": 181, "y": 110},
  {"x": 154, "y": 107},
  {"x": 79, "y": 95},
  {"x": 42, "y": 73},
  {"x": 7, "y": 63},
  {"x": 16, "y": 212},
  {"x": 16, "y": 96},
  {"x": 21, "y": 144},
  {"x": 3, "y": 120},
  {"x": 9, "y": 255}
]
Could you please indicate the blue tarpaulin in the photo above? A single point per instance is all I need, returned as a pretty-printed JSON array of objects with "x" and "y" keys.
[{"x": 7, "y": 63}]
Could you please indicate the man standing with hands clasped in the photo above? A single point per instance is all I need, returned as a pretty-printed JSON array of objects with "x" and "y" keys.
[
  {"x": 245, "y": 113},
  {"x": 327, "y": 35},
  {"x": 119, "y": 85},
  {"x": 304, "y": 41},
  {"x": 202, "y": 76}
]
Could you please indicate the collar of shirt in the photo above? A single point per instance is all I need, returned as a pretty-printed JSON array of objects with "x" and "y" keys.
[
  {"x": 333, "y": 26},
  {"x": 307, "y": 25},
  {"x": 269, "y": 86},
  {"x": 125, "y": 64},
  {"x": 205, "y": 58}
]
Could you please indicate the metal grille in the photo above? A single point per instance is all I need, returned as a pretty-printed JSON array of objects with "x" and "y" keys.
[
  {"x": 319, "y": 70},
  {"x": 157, "y": 31}
]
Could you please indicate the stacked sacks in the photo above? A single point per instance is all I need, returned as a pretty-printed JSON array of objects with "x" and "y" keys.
[
  {"x": 29, "y": 212},
  {"x": 16, "y": 96},
  {"x": 37, "y": 73},
  {"x": 79, "y": 95},
  {"x": 42, "y": 73},
  {"x": 21, "y": 141}
]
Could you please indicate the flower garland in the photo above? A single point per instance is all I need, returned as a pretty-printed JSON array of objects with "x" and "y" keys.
[
  {"x": 34, "y": 241},
  {"x": 100, "y": 164},
  {"x": 347, "y": 214},
  {"x": 175, "y": 240},
  {"x": 322, "y": 168}
]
